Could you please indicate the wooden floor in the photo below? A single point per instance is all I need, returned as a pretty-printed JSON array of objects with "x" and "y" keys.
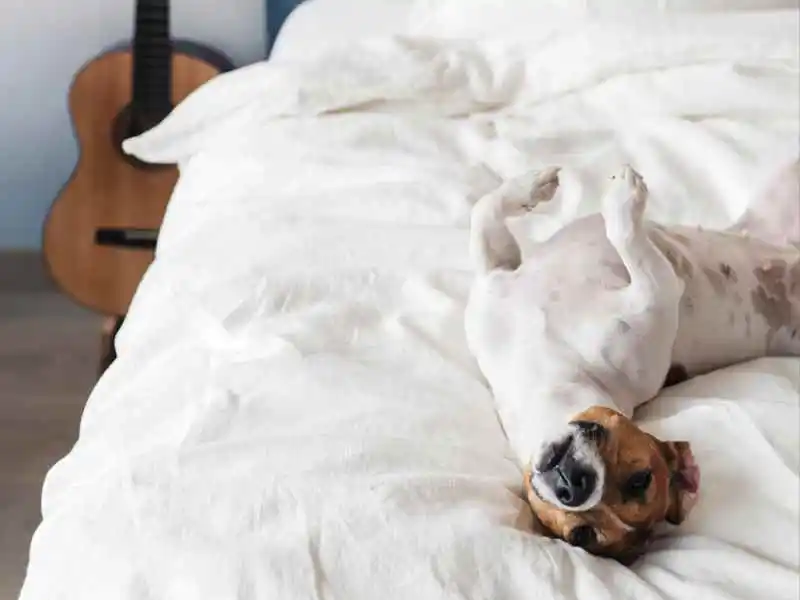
[{"x": 48, "y": 359}]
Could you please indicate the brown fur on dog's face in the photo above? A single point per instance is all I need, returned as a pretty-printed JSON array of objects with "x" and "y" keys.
[{"x": 647, "y": 481}]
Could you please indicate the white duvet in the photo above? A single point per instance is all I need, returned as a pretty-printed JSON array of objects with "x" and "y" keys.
[{"x": 294, "y": 414}]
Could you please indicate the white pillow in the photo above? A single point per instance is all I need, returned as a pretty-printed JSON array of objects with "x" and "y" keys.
[
  {"x": 319, "y": 24},
  {"x": 478, "y": 18}
]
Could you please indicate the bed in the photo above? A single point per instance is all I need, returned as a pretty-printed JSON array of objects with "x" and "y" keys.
[{"x": 293, "y": 413}]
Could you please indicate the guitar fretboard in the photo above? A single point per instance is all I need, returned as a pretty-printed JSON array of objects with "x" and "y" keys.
[{"x": 152, "y": 52}]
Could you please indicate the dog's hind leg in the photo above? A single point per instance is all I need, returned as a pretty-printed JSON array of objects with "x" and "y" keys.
[{"x": 492, "y": 245}]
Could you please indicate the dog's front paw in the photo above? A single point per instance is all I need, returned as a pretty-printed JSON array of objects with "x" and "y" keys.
[
  {"x": 524, "y": 193},
  {"x": 545, "y": 186},
  {"x": 624, "y": 204}
]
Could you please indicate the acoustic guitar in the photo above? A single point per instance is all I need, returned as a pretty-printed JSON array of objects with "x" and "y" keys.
[{"x": 98, "y": 235}]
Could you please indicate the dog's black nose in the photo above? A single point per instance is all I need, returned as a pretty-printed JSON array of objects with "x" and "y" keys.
[{"x": 572, "y": 483}]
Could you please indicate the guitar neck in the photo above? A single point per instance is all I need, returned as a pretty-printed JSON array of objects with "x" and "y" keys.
[{"x": 152, "y": 58}]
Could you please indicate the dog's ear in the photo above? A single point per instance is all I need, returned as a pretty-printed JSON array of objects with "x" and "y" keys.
[{"x": 684, "y": 480}]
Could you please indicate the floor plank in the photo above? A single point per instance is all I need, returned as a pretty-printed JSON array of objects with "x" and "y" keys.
[{"x": 48, "y": 359}]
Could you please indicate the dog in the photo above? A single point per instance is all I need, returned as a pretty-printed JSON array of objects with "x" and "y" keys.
[{"x": 597, "y": 320}]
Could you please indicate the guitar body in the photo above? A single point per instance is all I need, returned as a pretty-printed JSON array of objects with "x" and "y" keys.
[{"x": 109, "y": 189}]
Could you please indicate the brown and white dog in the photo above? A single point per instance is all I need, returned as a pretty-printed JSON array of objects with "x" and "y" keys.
[{"x": 595, "y": 322}]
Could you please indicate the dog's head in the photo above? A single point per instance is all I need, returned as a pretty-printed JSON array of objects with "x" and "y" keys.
[{"x": 605, "y": 484}]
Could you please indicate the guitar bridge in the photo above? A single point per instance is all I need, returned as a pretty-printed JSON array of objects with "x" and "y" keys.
[{"x": 126, "y": 237}]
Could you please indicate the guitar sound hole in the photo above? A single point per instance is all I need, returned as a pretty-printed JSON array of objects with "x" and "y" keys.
[{"x": 130, "y": 123}]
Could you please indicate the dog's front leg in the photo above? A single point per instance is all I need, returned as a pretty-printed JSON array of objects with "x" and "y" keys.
[{"x": 649, "y": 306}]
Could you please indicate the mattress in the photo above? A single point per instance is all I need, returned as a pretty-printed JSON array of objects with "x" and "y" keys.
[{"x": 294, "y": 413}]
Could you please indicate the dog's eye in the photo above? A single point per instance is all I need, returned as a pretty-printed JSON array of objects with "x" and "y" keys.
[
  {"x": 582, "y": 536},
  {"x": 638, "y": 483}
]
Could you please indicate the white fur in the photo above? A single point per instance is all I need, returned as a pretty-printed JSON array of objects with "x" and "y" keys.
[{"x": 564, "y": 330}]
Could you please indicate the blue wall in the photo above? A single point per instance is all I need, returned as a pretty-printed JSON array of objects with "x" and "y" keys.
[{"x": 42, "y": 44}]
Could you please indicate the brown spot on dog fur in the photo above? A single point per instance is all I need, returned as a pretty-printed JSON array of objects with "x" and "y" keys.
[
  {"x": 794, "y": 279},
  {"x": 728, "y": 272},
  {"x": 717, "y": 280},
  {"x": 771, "y": 297}
]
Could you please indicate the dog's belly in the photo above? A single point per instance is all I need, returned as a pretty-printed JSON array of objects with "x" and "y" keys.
[
  {"x": 735, "y": 307},
  {"x": 722, "y": 319}
]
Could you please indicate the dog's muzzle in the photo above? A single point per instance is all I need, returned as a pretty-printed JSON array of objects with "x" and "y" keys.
[{"x": 569, "y": 469}]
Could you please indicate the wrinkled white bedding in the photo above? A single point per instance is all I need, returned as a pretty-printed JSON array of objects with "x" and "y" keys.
[{"x": 294, "y": 413}]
